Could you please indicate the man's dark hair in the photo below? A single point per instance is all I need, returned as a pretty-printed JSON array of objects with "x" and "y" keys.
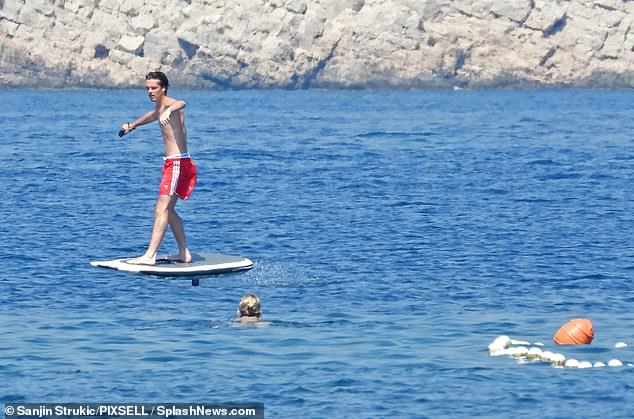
[{"x": 160, "y": 76}]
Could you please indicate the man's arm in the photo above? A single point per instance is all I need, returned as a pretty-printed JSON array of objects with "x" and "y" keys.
[
  {"x": 174, "y": 106},
  {"x": 145, "y": 119}
]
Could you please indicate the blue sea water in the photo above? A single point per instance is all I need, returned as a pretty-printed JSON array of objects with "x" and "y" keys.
[{"x": 395, "y": 234}]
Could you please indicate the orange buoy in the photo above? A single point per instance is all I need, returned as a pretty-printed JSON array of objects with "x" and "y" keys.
[{"x": 575, "y": 332}]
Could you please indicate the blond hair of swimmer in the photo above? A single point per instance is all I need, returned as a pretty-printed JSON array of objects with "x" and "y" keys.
[{"x": 250, "y": 309}]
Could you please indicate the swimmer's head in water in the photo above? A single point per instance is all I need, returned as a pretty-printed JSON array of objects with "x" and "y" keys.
[{"x": 250, "y": 306}]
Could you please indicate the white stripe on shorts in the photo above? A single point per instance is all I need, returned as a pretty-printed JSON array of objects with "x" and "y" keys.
[{"x": 176, "y": 171}]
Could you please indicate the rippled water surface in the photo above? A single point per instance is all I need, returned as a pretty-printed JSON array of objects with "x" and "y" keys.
[{"x": 394, "y": 235}]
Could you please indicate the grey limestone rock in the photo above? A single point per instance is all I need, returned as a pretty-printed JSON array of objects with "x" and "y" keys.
[{"x": 318, "y": 43}]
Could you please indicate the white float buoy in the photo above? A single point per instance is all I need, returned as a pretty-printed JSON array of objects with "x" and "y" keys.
[
  {"x": 571, "y": 363},
  {"x": 558, "y": 359},
  {"x": 547, "y": 356},
  {"x": 615, "y": 363},
  {"x": 501, "y": 342},
  {"x": 508, "y": 351},
  {"x": 599, "y": 364},
  {"x": 534, "y": 353},
  {"x": 520, "y": 351},
  {"x": 620, "y": 345},
  {"x": 585, "y": 364}
]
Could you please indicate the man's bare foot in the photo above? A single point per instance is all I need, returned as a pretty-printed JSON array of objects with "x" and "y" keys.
[
  {"x": 182, "y": 258},
  {"x": 142, "y": 260}
]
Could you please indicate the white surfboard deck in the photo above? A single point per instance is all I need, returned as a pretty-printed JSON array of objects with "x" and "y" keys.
[{"x": 202, "y": 264}]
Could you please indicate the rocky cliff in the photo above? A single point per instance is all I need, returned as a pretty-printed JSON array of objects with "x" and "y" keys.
[{"x": 318, "y": 43}]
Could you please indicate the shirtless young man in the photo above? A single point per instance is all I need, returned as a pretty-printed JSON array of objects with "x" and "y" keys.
[{"x": 179, "y": 171}]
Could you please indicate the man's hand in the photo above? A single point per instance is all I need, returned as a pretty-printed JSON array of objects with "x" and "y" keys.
[
  {"x": 165, "y": 117},
  {"x": 125, "y": 128}
]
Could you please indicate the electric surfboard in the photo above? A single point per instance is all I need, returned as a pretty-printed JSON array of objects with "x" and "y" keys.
[{"x": 202, "y": 264}]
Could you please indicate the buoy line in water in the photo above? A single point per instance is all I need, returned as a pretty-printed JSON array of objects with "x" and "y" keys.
[{"x": 524, "y": 351}]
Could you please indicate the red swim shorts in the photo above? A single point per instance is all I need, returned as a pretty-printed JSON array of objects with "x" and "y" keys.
[{"x": 179, "y": 176}]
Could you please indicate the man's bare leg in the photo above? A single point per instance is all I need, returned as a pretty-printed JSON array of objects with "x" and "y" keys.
[
  {"x": 164, "y": 206},
  {"x": 176, "y": 224}
]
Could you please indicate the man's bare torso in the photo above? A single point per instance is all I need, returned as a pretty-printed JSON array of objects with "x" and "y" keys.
[{"x": 174, "y": 133}]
